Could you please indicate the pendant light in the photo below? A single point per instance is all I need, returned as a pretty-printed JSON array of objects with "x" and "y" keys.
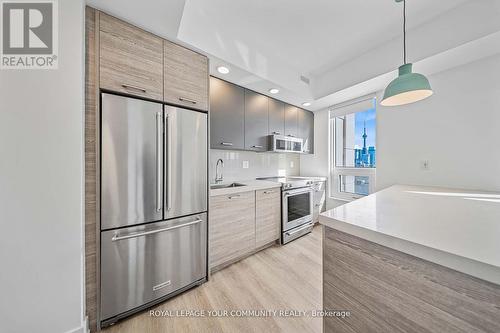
[{"x": 408, "y": 87}]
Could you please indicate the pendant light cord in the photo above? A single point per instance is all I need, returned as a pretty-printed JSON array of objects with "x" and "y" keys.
[{"x": 404, "y": 31}]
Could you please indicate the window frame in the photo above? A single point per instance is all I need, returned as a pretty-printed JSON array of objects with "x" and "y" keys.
[{"x": 334, "y": 171}]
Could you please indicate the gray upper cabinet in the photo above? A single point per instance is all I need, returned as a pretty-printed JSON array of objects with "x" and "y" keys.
[
  {"x": 291, "y": 120},
  {"x": 227, "y": 115},
  {"x": 256, "y": 121},
  {"x": 276, "y": 117},
  {"x": 306, "y": 130}
]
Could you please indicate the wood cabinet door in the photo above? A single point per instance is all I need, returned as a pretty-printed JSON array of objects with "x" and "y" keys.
[
  {"x": 256, "y": 121},
  {"x": 186, "y": 77},
  {"x": 291, "y": 120},
  {"x": 276, "y": 117},
  {"x": 131, "y": 60},
  {"x": 231, "y": 226},
  {"x": 306, "y": 130},
  {"x": 267, "y": 216},
  {"x": 227, "y": 115}
]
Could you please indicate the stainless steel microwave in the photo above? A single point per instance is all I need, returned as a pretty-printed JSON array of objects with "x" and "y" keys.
[{"x": 286, "y": 144}]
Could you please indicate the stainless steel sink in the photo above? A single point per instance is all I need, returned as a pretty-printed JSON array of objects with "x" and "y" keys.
[{"x": 216, "y": 186}]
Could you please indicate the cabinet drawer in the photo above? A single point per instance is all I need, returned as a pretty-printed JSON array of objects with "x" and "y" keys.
[
  {"x": 232, "y": 227},
  {"x": 267, "y": 216},
  {"x": 186, "y": 77},
  {"x": 131, "y": 60}
]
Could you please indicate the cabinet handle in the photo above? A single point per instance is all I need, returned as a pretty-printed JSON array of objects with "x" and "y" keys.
[
  {"x": 233, "y": 196},
  {"x": 258, "y": 147},
  {"x": 182, "y": 99},
  {"x": 226, "y": 143},
  {"x": 290, "y": 135},
  {"x": 317, "y": 205},
  {"x": 268, "y": 192},
  {"x": 277, "y": 133},
  {"x": 129, "y": 87}
]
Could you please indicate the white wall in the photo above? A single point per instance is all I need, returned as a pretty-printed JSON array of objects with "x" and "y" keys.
[
  {"x": 457, "y": 130},
  {"x": 317, "y": 163},
  {"x": 41, "y": 149}
]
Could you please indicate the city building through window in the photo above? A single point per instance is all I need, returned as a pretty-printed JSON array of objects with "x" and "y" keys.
[{"x": 353, "y": 133}]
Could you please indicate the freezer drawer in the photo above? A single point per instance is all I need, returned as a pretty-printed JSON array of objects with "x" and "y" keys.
[{"x": 143, "y": 263}]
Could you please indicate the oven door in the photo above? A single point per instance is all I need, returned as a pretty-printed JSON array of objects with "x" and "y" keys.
[{"x": 297, "y": 207}]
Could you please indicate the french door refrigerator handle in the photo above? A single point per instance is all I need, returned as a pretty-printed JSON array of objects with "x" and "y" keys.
[
  {"x": 169, "y": 161},
  {"x": 159, "y": 161},
  {"x": 152, "y": 232}
]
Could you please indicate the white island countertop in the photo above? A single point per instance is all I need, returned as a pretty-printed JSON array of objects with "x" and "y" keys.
[{"x": 459, "y": 229}]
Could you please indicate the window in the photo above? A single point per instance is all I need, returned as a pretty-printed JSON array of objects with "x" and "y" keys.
[{"x": 353, "y": 134}]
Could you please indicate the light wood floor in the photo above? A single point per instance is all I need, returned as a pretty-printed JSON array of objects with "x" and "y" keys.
[{"x": 279, "y": 278}]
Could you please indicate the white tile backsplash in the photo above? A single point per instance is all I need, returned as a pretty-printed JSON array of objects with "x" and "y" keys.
[{"x": 245, "y": 165}]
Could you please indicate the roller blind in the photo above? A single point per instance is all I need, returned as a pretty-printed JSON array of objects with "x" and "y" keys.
[{"x": 356, "y": 105}]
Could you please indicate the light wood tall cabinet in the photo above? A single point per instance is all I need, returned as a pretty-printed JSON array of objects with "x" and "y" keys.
[
  {"x": 131, "y": 59},
  {"x": 267, "y": 216},
  {"x": 186, "y": 77},
  {"x": 122, "y": 58},
  {"x": 231, "y": 227}
]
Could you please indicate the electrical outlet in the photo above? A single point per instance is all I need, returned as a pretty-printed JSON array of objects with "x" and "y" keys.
[
  {"x": 425, "y": 165},
  {"x": 246, "y": 164},
  {"x": 291, "y": 164}
]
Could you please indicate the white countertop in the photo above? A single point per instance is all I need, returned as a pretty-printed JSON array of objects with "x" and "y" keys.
[
  {"x": 459, "y": 229},
  {"x": 250, "y": 185}
]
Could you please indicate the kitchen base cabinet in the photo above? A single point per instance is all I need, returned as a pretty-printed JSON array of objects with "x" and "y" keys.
[
  {"x": 232, "y": 227},
  {"x": 242, "y": 224},
  {"x": 267, "y": 216}
]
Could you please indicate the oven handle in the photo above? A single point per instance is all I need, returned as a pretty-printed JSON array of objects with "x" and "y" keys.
[
  {"x": 297, "y": 191},
  {"x": 307, "y": 225}
]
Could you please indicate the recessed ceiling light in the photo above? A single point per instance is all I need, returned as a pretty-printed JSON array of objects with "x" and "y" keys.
[
  {"x": 222, "y": 70},
  {"x": 306, "y": 104},
  {"x": 274, "y": 91}
]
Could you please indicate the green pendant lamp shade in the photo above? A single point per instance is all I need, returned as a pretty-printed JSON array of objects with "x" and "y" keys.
[{"x": 408, "y": 87}]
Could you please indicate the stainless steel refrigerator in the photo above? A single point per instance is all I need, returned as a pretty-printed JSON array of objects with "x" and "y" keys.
[{"x": 153, "y": 203}]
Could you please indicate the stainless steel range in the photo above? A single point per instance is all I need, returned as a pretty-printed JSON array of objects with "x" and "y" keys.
[{"x": 297, "y": 206}]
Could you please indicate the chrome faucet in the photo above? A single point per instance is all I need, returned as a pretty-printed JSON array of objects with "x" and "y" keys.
[{"x": 219, "y": 178}]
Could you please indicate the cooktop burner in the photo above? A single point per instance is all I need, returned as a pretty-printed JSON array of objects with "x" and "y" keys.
[{"x": 290, "y": 182}]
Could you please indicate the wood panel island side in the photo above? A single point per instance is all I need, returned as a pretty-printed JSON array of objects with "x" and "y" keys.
[{"x": 413, "y": 259}]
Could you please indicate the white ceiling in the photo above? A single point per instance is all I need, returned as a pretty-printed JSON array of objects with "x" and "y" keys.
[
  {"x": 272, "y": 43},
  {"x": 308, "y": 36}
]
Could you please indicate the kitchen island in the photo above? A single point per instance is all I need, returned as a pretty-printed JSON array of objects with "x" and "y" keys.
[{"x": 413, "y": 259}]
